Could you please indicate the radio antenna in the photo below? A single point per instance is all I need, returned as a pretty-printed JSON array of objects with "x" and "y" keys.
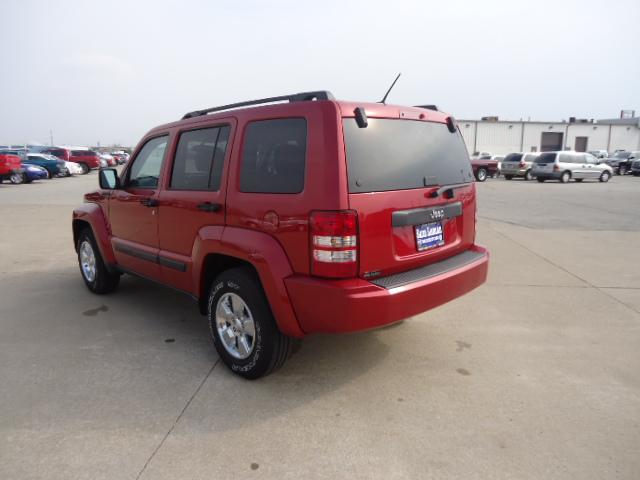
[{"x": 387, "y": 94}]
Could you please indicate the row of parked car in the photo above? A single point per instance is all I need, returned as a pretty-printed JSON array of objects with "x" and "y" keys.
[
  {"x": 561, "y": 165},
  {"x": 24, "y": 165}
]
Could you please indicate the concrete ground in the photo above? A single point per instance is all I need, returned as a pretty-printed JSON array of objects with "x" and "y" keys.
[{"x": 534, "y": 375}]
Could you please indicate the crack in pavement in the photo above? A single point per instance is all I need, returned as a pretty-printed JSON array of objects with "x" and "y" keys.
[
  {"x": 595, "y": 287},
  {"x": 184, "y": 409}
]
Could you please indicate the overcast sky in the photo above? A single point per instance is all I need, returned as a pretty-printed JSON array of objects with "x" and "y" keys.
[{"x": 109, "y": 71}]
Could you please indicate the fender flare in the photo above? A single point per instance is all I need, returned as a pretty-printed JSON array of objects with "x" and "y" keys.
[
  {"x": 265, "y": 254},
  {"x": 92, "y": 214}
]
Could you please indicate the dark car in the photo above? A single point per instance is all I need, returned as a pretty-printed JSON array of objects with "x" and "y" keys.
[
  {"x": 620, "y": 162},
  {"x": 635, "y": 163},
  {"x": 55, "y": 167},
  {"x": 285, "y": 220}
]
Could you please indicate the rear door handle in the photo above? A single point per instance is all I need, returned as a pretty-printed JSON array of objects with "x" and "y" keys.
[
  {"x": 149, "y": 202},
  {"x": 209, "y": 207}
]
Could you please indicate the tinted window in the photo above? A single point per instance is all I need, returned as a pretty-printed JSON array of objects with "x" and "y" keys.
[
  {"x": 403, "y": 154},
  {"x": 79, "y": 153},
  {"x": 199, "y": 159},
  {"x": 513, "y": 157},
  {"x": 590, "y": 159},
  {"x": 546, "y": 158},
  {"x": 273, "y": 156},
  {"x": 145, "y": 170}
]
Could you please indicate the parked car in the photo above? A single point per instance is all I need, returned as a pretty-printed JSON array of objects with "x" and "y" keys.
[
  {"x": 74, "y": 168},
  {"x": 109, "y": 159},
  {"x": 518, "y": 165},
  {"x": 10, "y": 167},
  {"x": 30, "y": 173},
  {"x": 87, "y": 159},
  {"x": 634, "y": 158},
  {"x": 599, "y": 153},
  {"x": 564, "y": 166},
  {"x": 484, "y": 166},
  {"x": 54, "y": 166},
  {"x": 59, "y": 152},
  {"x": 620, "y": 162},
  {"x": 300, "y": 228},
  {"x": 121, "y": 157},
  {"x": 498, "y": 159}
]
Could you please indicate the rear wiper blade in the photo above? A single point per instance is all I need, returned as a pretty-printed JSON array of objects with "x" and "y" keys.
[{"x": 448, "y": 189}]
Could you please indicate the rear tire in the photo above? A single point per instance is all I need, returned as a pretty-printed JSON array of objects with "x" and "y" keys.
[
  {"x": 605, "y": 176},
  {"x": 508, "y": 177},
  {"x": 242, "y": 326},
  {"x": 481, "y": 174},
  {"x": 92, "y": 267},
  {"x": 527, "y": 175},
  {"x": 565, "y": 177}
]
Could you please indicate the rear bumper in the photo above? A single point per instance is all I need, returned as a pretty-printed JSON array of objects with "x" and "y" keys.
[{"x": 335, "y": 306}]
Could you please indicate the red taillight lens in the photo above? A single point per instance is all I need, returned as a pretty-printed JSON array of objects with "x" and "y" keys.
[
  {"x": 556, "y": 167},
  {"x": 334, "y": 242},
  {"x": 522, "y": 164}
]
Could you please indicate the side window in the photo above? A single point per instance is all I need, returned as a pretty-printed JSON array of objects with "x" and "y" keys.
[
  {"x": 199, "y": 159},
  {"x": 145, "y": 170},
  {"x": 273, "y": 156},
  {"x": 565, "y": 158},
  {"x": 590, "y": 159}
]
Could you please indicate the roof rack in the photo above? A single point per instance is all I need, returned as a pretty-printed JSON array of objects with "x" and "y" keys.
[
  {"x": 297, "y": 97},
  {"x": 429, "y": 107}
]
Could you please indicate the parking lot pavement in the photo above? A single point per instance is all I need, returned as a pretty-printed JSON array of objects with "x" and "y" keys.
[{"x": 533, "y": 375}]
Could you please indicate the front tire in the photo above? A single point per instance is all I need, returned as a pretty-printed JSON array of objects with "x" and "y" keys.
[
  {"x": 16, "y": 178},
  {"x": 85, "y": 168},
  {"x": 481, "y": 174},
  {"x": 92, "y": 267},
  {"x": 565, "y": 177},
  {"x": 242, "y": 326},
  {"x": 605, "y": 176}
]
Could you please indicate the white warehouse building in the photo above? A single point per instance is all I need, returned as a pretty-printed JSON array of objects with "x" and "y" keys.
[{"x": 502, "y": 137}]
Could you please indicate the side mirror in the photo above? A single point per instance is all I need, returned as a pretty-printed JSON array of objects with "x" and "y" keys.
[{"x": 109, "y": 179}]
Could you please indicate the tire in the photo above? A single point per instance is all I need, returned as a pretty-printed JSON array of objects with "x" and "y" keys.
[
  {"x": 605, "y": 176},
  {"x": 25, "y": 178},
  {"x": 565, "y": 177},
  {"x": 92, "y": 268},
  {"x": 481, "y": 174},
  {"x": 579, "y": 179},
  {"x": 622, "y": 170},
  {"x": 540, "y": 179},
  {"x": 508, "y": 177},
  {"x": 16, "y": 178},
  {"x": 49, "y": 174},
  {"x": 251, "y": 350},
  {"x": 527, "y": 175},
  {"x": 85, "y": 168}
]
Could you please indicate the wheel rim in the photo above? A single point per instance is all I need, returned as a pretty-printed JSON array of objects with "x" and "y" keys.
[
  {"x": 235, "y": 325},
  {"x": 87, "y": 261},
  {"x": 605, "y": 176},
  {"x": 565, "y": 177},
  {"x": 482, "y": 175},
  {"x": 16, "y": 178}
]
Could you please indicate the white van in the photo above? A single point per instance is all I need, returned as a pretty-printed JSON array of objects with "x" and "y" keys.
[{"x": 564, "y": 166}]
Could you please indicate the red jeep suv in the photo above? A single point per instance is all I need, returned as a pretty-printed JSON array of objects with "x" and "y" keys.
[{"x": 289, "y": 216}]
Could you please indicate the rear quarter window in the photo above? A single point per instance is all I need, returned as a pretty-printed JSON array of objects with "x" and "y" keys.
[{"x": 273, "y": 156}]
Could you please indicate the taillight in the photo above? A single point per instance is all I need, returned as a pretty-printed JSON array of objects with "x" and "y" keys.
[
  {"x": 556, "y": 167},
  {"x": 334, "y": 242},
  {"x": 522, "y": 164}
]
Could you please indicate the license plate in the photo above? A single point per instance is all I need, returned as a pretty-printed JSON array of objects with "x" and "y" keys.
[{"x": 429, "y": 235}]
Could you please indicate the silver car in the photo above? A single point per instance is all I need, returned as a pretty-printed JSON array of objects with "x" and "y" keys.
[
  {"x": 565, "y": 166},
  {"x": 518, "y": 165}
]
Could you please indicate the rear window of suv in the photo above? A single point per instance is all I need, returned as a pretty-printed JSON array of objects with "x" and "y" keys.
[
  {"x": 394, "y": 154},
  {"x": 513, "y": 157}
]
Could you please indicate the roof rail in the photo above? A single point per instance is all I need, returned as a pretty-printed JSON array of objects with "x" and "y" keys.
[
  {"x": 297, "y": 97},
  {"x": 429, "y": 107}
]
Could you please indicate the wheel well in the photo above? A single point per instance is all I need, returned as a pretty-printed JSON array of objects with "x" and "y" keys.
[
  {"x": 214, "y": 264},
  {"x": 78, "y": 226}
]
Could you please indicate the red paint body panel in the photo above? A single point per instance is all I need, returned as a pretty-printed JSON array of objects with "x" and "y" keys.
[
  {"x": 90, "y": 159},
  {"x": 9, "y": 163},
  {"x": 339, "y": 306},
  {"x": 93, "y": 214}
]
